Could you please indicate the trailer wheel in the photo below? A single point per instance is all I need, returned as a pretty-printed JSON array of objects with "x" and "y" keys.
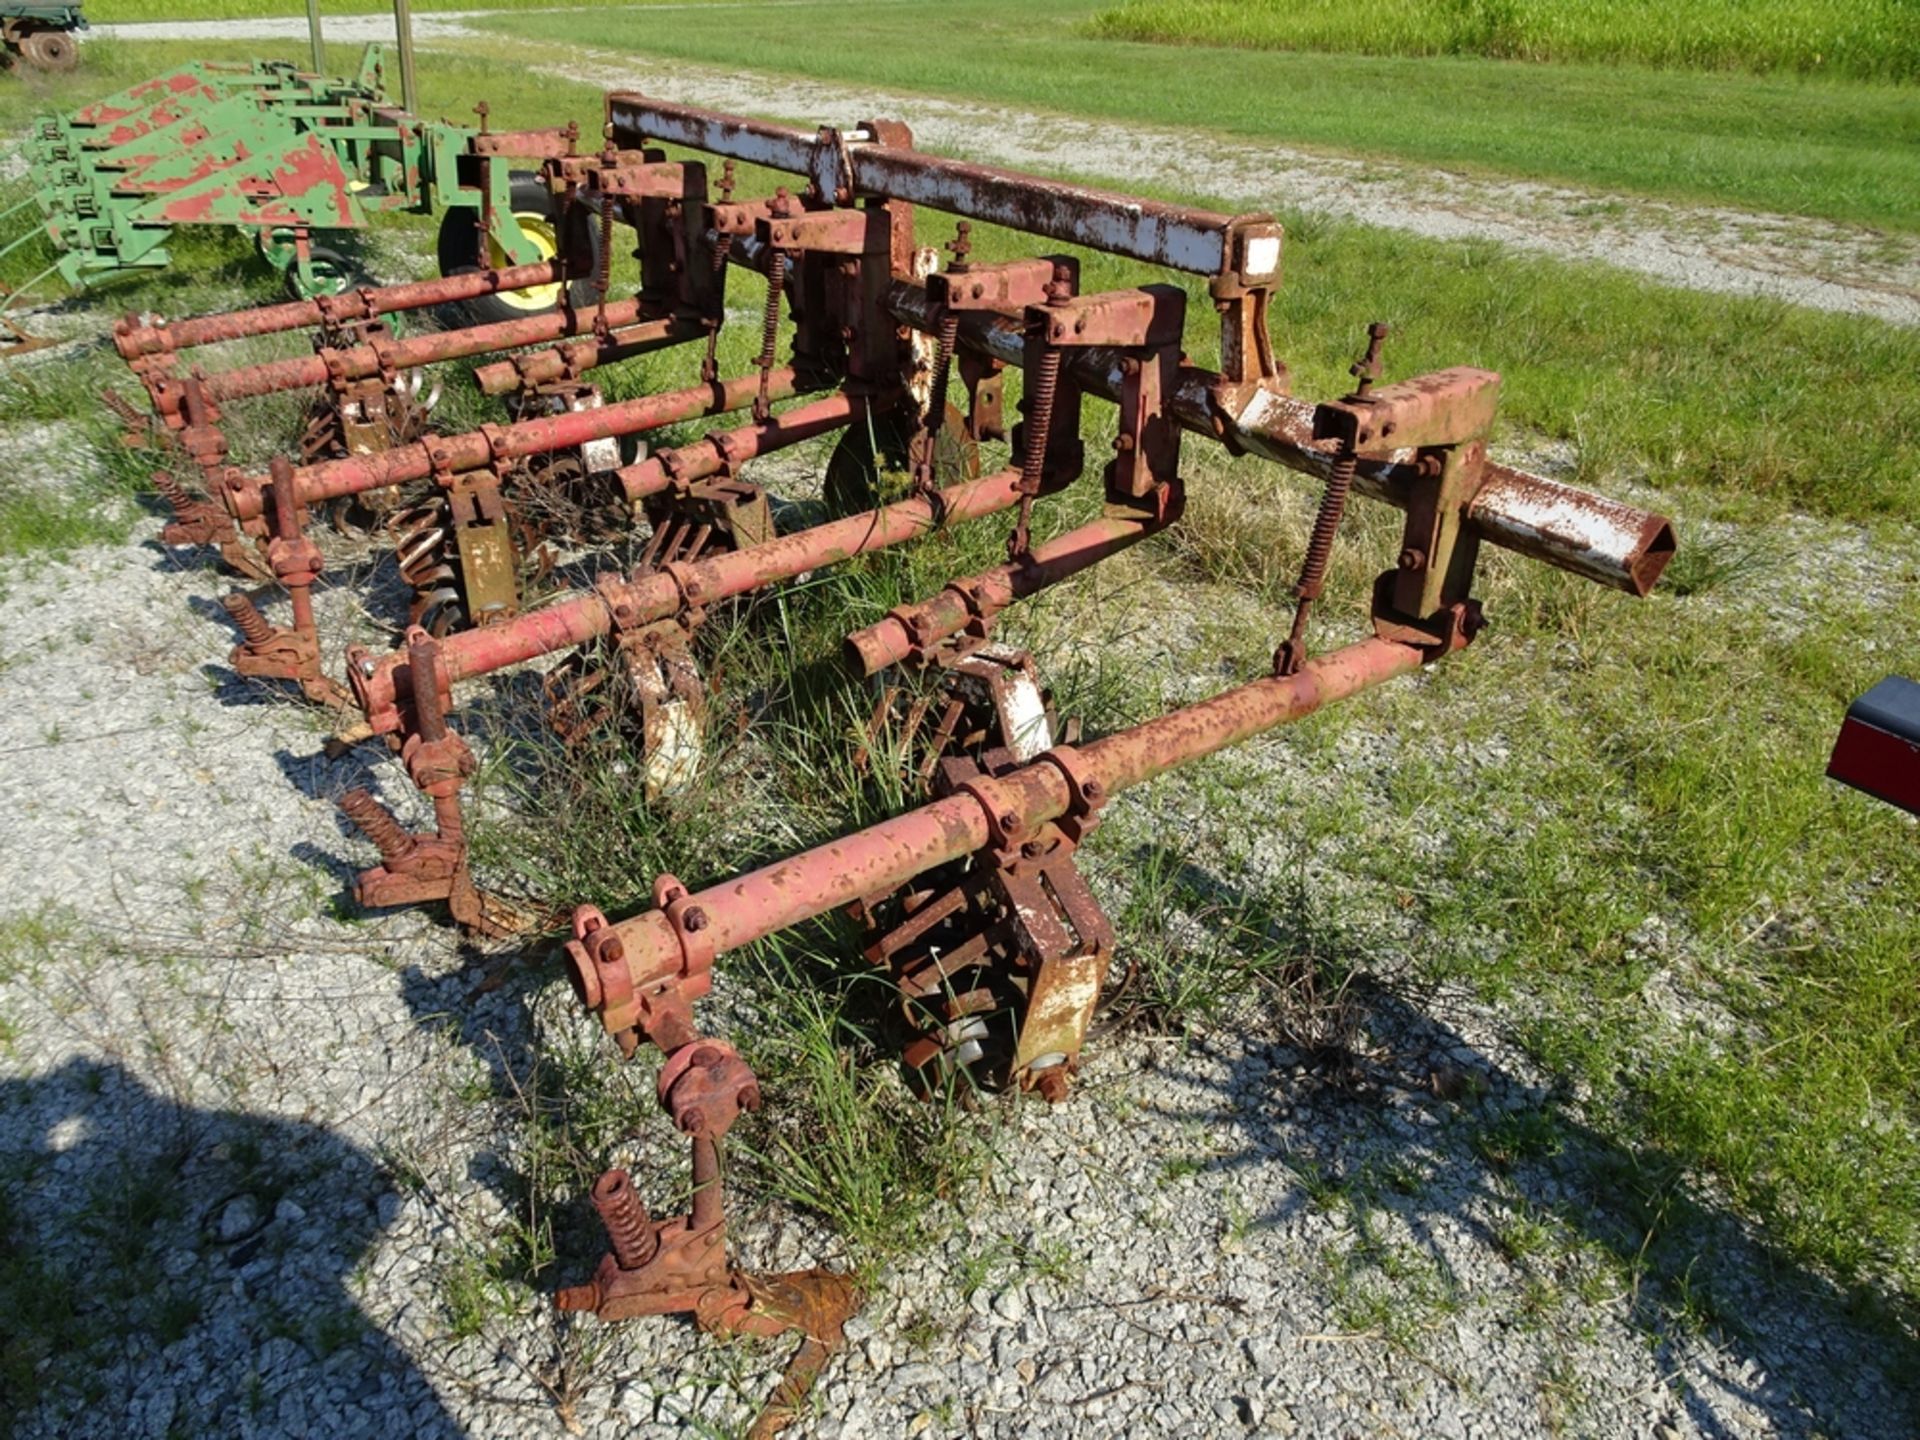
[
  {"x": 49, "y": 49},
  {"x": 538, "y": 214}
]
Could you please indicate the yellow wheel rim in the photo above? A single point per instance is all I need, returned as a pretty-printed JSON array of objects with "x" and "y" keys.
[{"x": 539, "y": 229}]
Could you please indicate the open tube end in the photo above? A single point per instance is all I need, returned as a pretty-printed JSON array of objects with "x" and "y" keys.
[
  {"x": 869, "y": 651},
  {"x": 581, "y": 975},
  {"x": 1655, "y": 552}
]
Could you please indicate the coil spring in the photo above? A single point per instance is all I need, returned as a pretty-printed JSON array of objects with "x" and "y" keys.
[
  {"x": 945, "y": 339},
  {"x": 710, "y": 367},
  {"x": 174, "y": 494},
  {"x": 247, "y": 616},
  {"x": 625, "y": 1218},
  {"x": 419, "y": 542},
  {"x": 1326, "y": 524},
  {"x": 1033, "y": 455},
  {"x": 375, "y": 822},
  {"x": 770, "y": 329},
  {"x": 603, "y": 276}
]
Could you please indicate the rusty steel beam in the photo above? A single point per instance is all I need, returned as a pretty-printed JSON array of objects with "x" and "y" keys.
[
  {"x": 382, "y": 684},
  {"x": 135, "y": 338},
  {"x": 1618, "y": 545},
  {"x": 855, "y": 164},
  {"x": 726, "y": 450},
  {"x": 623, "y": 960},
  {"x": 389, "y": 356},
  {"x": 912, "y": 629},
  {"x": 570, "y": 361},
  {"x": 491, "y": 444}
]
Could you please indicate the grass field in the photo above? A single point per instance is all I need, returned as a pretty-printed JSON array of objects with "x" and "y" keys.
[
  {"x": 1864, "y": 39},
  {"x": 127, "y": 11},
  {"x": 1595, "y": 765},
  {"x": 1843, "y": 151}
]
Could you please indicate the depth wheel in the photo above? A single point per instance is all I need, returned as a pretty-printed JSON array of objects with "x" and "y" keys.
[
  {"x": 329, "y": 272},
  {"x": 537, "y": 213},
  {"x": 872, "y": 462},
  {"x": 49, "y": 50}
]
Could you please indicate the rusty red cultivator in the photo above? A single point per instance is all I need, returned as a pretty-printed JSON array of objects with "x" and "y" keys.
[{"x": 971, "y": 903}]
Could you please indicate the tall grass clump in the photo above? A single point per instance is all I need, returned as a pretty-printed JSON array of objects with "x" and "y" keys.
[{"x": 1860, "y": 39}]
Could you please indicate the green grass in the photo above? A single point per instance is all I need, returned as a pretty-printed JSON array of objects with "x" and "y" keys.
[
  {"x": 1864, "y": 39},
  {"x": 127, "y": 11},
  {"x": 1844, "y": 151}
]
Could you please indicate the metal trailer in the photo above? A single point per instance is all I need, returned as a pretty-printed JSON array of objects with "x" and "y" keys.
[{"x": 40, "y": 34}]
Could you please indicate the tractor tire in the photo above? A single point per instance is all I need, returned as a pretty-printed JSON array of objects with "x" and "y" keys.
[
  {"x": 49, "y": 50},
  {"x": 538, "y": 214}
]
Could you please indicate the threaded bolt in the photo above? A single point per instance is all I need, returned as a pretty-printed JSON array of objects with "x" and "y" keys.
[
  {"x": 634, "y": 1242},
  {"x": 247, "y": 616},
  {"x": 373, "y": 820}
]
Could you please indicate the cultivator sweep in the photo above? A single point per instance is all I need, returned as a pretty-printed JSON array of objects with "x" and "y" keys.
[{"x": 971, "y": 903}]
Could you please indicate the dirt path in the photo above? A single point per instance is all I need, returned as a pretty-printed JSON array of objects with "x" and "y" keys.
[{"x": 1816, "y": 263}]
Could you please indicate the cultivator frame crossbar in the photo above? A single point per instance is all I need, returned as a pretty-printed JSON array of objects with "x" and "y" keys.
[
  {"x": 971, "y": 903},
  {"x": 1418, "y": 444}
]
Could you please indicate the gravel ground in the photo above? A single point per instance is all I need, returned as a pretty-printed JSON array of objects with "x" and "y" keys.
[
  {"x": 272, "y": 1135},
  {"x": 1825, "y": 265}
]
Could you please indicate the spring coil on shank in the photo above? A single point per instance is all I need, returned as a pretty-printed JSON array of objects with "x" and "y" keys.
[{"x": 770, "y": 331}]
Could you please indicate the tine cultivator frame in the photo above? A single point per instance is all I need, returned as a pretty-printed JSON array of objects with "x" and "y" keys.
[{"x": 971, "y": 903}]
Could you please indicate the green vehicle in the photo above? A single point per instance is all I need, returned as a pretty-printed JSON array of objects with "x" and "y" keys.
[{"x": 40, "y": 34}]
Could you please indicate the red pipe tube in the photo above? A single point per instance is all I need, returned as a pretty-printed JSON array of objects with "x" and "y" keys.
[
  {"x": 381, "y": 685},
  {"x": 565, "y": 362},
  {"x": 357, "y": 362},
  {"x": 884, "y": 856},
  {"x": 240, "y": 493},
  {"x": 728, "y": 449},
  {"x": 912, "y": 628},
  {"x": 133, "y": 339}
]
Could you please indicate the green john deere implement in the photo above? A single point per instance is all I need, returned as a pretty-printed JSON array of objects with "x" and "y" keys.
[
  {"x": 40, "y": 34},
  {"x": 294, "y": 157}
]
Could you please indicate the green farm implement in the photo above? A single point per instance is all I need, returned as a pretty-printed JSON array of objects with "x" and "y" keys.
[{"x": 295, "y": 158}]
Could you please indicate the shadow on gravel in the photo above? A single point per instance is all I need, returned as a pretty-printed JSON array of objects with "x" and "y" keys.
[
  {"x": 1432, "y": 1129},
  {"x": 170, "y": 1270}
]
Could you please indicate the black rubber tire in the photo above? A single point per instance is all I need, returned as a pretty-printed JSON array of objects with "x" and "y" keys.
[
  {"x": 867, "y": 451},
  {"x": 49, "y": 50},
  {"x": 460, "y": 253},
  {"x": 350, "y": 273}
]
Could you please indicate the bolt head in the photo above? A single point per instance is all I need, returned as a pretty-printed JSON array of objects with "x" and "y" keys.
[{"x": 695, "y": 919}]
